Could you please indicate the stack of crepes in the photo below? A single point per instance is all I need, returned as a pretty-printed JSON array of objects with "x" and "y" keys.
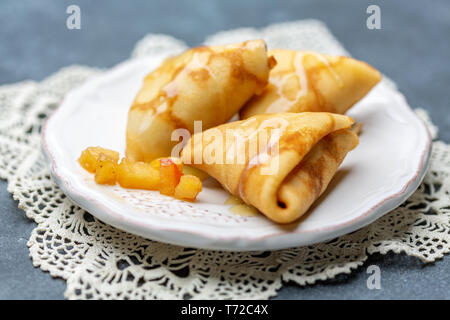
[{"x": 292, "y": 136}]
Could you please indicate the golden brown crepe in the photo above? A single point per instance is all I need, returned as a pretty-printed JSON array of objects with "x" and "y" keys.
[
  {"x": 308, "y": 81},
  {"x": 311, "y": 146},
  {"x": 206, "y": 83}
]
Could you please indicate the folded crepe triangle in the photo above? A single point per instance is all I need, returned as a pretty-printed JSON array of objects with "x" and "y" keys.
[
  {"x": 279, "y": 163},
  {"x": 207, "y": 84},
  {"x": 308, "y": 81}
]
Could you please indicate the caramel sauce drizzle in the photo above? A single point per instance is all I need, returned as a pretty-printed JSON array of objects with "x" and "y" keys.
[
  {"x": 259, "y": 158},
  {"x": 284, "y": 142},
  {"x": 197, "y": 67},
  {"x": 283, "y": 103}
]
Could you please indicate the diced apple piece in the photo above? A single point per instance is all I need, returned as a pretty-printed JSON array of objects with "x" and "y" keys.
[
  {"x": 137, "y": 175},
  {"x": 188, "y": 188},
  {"x": 156, "y": 163},
  {"x": 169, "y": 176},
  {"x": 106, "y": 171},
  {"x": 89, "y": 157}
]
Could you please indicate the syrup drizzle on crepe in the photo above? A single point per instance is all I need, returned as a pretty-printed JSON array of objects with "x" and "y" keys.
[
  {"x": 262, "y": 156},
  {"x": 198, "y": 68},
  {"x": 198, "y": 63},
  {"x": 283, "y": 103}
]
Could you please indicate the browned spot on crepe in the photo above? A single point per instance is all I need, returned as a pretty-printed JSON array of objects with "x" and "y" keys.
[{"x": 207, "y": 84}]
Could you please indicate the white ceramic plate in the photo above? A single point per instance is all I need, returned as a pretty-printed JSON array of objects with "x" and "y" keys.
[{"x": 376, "y": 177}]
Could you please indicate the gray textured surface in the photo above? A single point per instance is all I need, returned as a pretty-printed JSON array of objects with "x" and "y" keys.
[{"x": 412, "y": 48}]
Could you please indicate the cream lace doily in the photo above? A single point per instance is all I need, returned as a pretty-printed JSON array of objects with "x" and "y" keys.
[{"x": 99, "y": 261}]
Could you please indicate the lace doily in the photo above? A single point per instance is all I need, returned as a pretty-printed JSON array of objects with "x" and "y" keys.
[{"x": 99, "y": 261}]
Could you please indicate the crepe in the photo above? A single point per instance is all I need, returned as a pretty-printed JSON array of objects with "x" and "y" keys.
[
  {"x": 308, "y": 81},
  {"x": 297, "y": 154},
  {"x": 209, "y": 84}
]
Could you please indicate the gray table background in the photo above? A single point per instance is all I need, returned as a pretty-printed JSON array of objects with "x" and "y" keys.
[{"x": 412, "y": 48}]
